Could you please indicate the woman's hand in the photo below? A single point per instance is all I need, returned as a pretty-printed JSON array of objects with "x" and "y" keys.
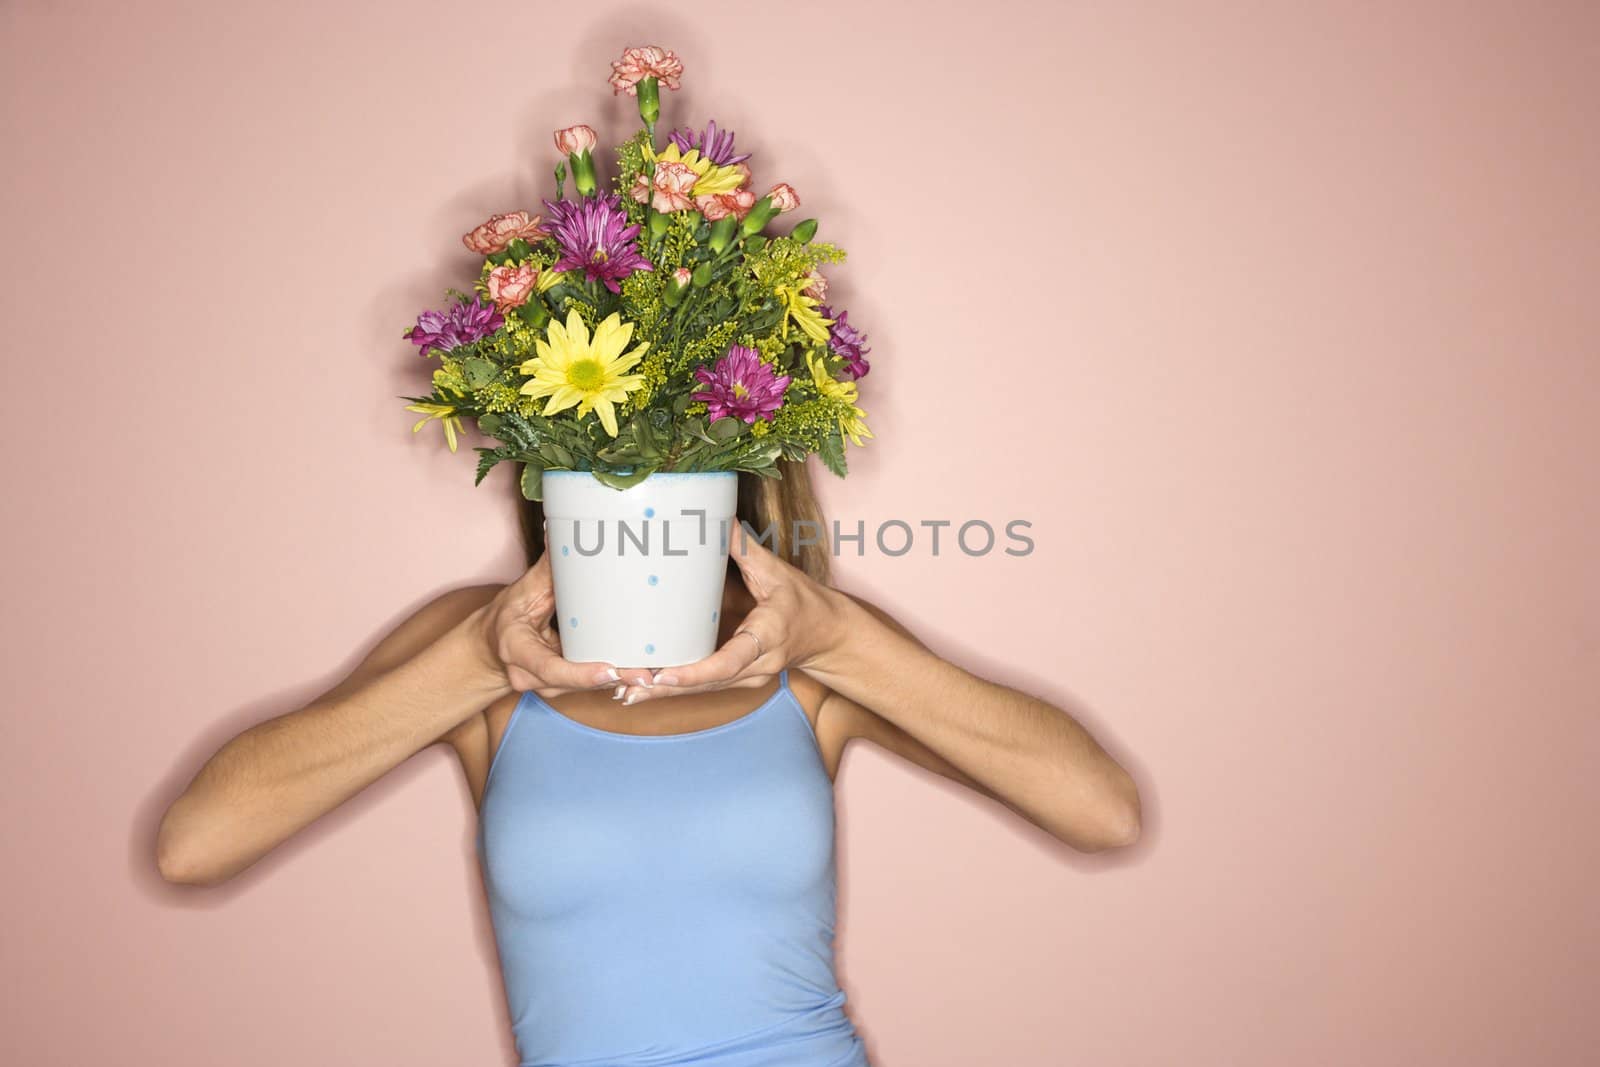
[
  {"x": 518, "y": 634},
  {"x": 796, "y": 622}
]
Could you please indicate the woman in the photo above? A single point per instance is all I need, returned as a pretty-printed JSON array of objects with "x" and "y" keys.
[{"x": 661, "y": 881}]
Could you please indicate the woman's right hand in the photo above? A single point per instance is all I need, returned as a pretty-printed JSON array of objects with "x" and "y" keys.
[{"x": 517, "y": 628}]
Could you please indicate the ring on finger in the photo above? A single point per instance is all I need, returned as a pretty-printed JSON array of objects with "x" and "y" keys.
[{"x": 761, "y": 649}]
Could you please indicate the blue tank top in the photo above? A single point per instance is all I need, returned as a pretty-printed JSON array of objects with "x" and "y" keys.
[{"x": 666, "y": 900}]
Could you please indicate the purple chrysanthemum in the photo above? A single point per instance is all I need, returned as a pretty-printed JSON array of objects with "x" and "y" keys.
[
  {"x": 740, "y": 385},
  {"x": 847, "y": 342},
  {"x": 466, "y": 322},
  {"x": 594, "y": 237},
  {"x": 714, "y": 144}
]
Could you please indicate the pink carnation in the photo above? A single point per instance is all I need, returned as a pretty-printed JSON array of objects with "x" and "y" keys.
[
  {"x": 784, "y": 198},
  {"x": 574, "y": 139},
  {"x": 509, "y": 286},
  {"x": 647, "y": 62},
  {"x": 721, "y": 205},
  {"x": 817, "y": 287},
  {"x": 673, "y": 184},
  {"x": 493, "y": 236}
]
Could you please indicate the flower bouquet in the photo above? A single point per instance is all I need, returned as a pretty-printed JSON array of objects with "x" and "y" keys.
[{"x": 633, "y": 349}]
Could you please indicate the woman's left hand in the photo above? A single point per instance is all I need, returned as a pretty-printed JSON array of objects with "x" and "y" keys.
[{"x": 796, "y": 620}]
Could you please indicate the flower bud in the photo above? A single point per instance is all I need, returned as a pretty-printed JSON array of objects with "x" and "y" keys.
[
  {"x": 702, "y": 276},
  {"x": 658, "y": 226},
  {"x": 576, "y": 141},
  {"x": 804, "y": 230},
  {"x": 759, "y": 216},
  {"x": 722, "y": 233},
  {"x": 677, "y": 285}
]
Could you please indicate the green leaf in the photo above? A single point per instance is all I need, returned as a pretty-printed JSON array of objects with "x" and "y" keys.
[
  {"x": 533, "y": 482},
  {"x": 832, "y": 453},
  {"x": 623, "y": 481},
  {"x": 625, "y": 453},
  {"x": 487, "y": 459},
  {"x": 558, "y": 456},
  {"x": 478, "y": 371},
  {"x": 535, "y": 313},
  {"x": 489, "y": 424},
  {"x": 560, "y": 293},
  {"x": 645, "y": 436},
  {"x": 726, "y": 428},
  {"x": 689, "y": 457}
]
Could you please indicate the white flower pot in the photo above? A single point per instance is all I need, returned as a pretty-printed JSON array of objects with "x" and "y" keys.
[{"x": 639, "y": 572}]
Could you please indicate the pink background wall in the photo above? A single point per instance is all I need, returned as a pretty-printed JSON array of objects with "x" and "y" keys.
[{"x": 1281, "y": 328}]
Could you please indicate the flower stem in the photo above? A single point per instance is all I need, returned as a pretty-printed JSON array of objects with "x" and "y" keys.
[{"x": 650, "y": 175}]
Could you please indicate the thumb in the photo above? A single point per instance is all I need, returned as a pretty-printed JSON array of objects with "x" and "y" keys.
[{"x": 754, "y": 560}]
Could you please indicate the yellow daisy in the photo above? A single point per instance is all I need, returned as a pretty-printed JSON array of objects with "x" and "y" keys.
[
  {"x": 852, "y": 423},
  {"x": 572, "y": 368},
  {"x": 445, "y": 413},
  {"x": 802, "y": 309}
]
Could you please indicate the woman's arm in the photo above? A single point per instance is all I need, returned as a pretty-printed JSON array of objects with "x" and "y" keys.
[
  {"x": 429, "y": 675},
  {"x": 443, "y": 665},
  {"x": 1030, "y": 755}
]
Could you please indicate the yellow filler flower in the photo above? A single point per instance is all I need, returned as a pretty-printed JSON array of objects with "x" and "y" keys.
[{"x": 572, "y": 368}]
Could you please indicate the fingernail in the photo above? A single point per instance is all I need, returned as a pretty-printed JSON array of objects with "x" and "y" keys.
[
  {"x": 647, "y": 682},
  {"x": 611, "y": 673},
  {"x": 605, "y": 676},
  {"x": 629, "y": 698},
  {"x": 667, "y": 679},
  {"x": 620, "y": 690}
]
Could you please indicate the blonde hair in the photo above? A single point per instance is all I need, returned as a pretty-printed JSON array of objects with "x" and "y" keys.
[{"x": 777, "y": 509}]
